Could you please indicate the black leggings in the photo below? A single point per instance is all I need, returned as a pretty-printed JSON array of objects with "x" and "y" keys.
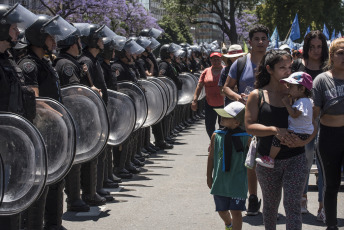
[{"x": 331, "y": 153}]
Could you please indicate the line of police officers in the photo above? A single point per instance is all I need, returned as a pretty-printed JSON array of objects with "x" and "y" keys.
[{"x": 86, "y": 56}]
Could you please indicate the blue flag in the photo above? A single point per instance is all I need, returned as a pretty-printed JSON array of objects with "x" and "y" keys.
[
  {"x": 326, "y": 33},
  {"x": 275, "y": 38},
  {"x": 295, "y": 29},
  {"x": 333, "y": 35},
  {"x": 339, "y": 35},
  {"x": 308, "y": 30}
]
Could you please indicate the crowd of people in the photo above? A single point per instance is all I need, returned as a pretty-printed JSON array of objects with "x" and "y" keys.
[{"x": 293, "y": 102}]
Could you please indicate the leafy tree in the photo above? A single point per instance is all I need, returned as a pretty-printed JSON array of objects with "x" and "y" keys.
[
  {"x": 125, "y": 18},
  {"x": 175, "y": 30},
  {"x": 312, "y": 13},
  {"x": 224, "y": 10}
]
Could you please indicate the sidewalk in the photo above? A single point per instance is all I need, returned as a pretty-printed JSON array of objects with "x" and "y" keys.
[{"x": 171, "y": 193}]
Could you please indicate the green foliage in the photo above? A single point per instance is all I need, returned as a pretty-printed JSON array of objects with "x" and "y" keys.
[
  {"x": 312, "y": 13},
  {"x": 175, "y": 30}
]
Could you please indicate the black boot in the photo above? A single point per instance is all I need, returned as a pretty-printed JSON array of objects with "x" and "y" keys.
[
  {"x": 54, "y": 207},
  {"x": 89, "y": 182},
  {"x": 100, "y": 177},
  {"x": 72, "y": 189},
  {"x": 35, "y": 212},
  {"x": 164, "y": 145}
]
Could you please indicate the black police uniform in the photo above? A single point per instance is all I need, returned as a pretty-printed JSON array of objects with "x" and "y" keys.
[
  {"x": 110, "y": 75},
  {"x": 70, "y": 72},
  {"x": 39, "y": 72},
  {"x": 96, "y": 72},
  {"x": 152, "y": 57},
  {"x": 141, "y": 67},
  {"x": 15, "y": 98},
  {"x": 91, "y": 179},
  {"x": 124, "y": 159},
  {"x": 167, "y": 69}
]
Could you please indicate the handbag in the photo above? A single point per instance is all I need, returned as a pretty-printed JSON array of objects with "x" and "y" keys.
[{"x": 250, "y": 161}]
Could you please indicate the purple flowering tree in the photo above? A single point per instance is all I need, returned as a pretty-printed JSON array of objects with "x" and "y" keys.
[
  {"x": 244, "y": 23},
  {"x": 125, "y": 18}
]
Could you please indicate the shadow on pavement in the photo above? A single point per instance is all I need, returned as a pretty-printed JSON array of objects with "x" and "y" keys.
[
  {"x": 253, "y": 220},
  {"x": 71, "y": 216}
]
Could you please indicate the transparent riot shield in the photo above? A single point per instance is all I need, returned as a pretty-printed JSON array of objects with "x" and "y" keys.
[
  {"x": 91, "y": 121},
  {"x": 122, "y": 117},
  {"x": 165, "y": 94},
  {"x": 25, "y": 163},
  {"x": 173, "y": 93},
  {"x": 138, "y": 96},
  {"x": 155, "y": 102},
  {"x": 185, "y": 95},
  {"x": 57, "y": 128}
]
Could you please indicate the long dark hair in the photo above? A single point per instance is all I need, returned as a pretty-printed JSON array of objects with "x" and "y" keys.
[
  {"x": 307, "y": 43},
  {"x": 271, "y": 58}
]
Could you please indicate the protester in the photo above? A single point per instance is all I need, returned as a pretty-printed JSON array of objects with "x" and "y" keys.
[
  {"x": 300, "y": 113},
  {"x": 314, "y": 59},
  {"x": 266, "y": 116},
  {"x": 209, "y": 80},
  {"x": 329, "y": 103},
  {"x": 242, "y": 76},
  {"x": 226, "y": 173},
  {"x": 234, "y": 52}
]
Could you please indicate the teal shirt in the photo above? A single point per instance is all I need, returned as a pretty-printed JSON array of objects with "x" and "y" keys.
[{"x": 233, "y": 183}]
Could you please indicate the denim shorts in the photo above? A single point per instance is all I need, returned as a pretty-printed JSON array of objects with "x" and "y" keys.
[{"x": 224, "y": 203}]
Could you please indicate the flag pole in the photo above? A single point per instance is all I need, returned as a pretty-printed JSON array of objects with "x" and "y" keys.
[{"x": 288, "y": 34}]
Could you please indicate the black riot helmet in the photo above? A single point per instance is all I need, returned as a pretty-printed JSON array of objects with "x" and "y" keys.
[
  {"x": 70, "y": 40},
  {"x": 14, "y": 14},
  {"x": 110, "y": 44},
  {"x": 90, "y": 34},
  {"x": 46, "y": 25},
  {"x": 167, "y": 49},
  {"x": 152, "y": 32}
]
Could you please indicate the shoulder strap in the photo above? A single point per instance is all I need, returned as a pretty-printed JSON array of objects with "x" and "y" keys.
[{"x": 240, "y": 68}]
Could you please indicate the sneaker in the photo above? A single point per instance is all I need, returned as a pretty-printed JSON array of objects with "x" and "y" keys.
[
  {"x": 228, "y": 227},
  {"x": 304, "y": 202},
  {"x": 253, "y": 205},
  {"x": 266, "y": 161},
  {"x": 321, "y": 216}
]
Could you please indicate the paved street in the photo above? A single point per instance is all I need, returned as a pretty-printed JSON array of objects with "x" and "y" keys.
[{"x": 171, "y": 193}]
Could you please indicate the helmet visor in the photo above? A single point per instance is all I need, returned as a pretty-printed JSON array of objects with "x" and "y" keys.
[
  {"x": 59, "y": 28},
  {"x": 180, "y": 53},
  {"x": 143, "y": 41},
  {"x": 119, "y": 42},
  {"x": 155, "y": 44},
  {"x": 83, "y": 28},
  {"x": 22, "y": 16},
  {"x": 174, "y": 48},
  {"x": 195, "y": 48},
  {"x": 107, "y": 32},
  {"x": 132, "y": 47},
  {"x": 154, "y": 33}
]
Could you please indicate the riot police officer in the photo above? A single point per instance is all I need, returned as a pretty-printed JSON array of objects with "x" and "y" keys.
[
  {"x": 92, "y": 181},
  {"x": 43, "y": 79},
  {"x": 71, "y": 72},
  {"x": 14, "y": 97}
]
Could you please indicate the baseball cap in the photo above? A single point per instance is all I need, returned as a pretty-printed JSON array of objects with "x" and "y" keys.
[
  {"x": 234, "y": 50},
  {"x": 215, "y": 54},
  {"x": 300, "y": 78},
  {"x": 235, "y": 110}
]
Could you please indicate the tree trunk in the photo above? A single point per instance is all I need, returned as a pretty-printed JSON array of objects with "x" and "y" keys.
[{"x": 233, "y": 36}]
